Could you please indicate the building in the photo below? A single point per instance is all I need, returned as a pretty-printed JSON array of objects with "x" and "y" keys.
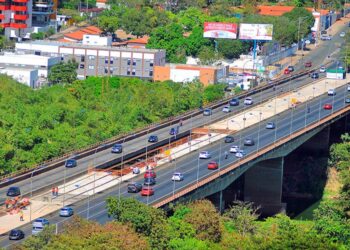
[
  {"x": 97, "y": 40},
  {"x": 24, "y": 75},
  {"x": 41, "y": 63},
  {"x": 102, "y": 4},
  {"x": 188, "y": 73},
  {"x": 100, "y": 60},
  {"x": 20, "y": 18},
  {"x": 78, "y": 36}
]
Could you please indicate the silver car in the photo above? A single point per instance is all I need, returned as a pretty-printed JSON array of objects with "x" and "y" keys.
[
  {"x": 270, "y": 125},
  {"x": 66, "y": 212}
]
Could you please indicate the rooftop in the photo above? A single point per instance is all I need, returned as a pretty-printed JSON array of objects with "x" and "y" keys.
[
  {"x": 278, "y": 10},
  {"x": 192, "y": 66},
  {"x": 78, "y": 35},
  {"x": 141, "y": 40}
]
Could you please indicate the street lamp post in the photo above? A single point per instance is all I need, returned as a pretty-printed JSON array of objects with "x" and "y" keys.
[{"x": 299, "y": 23}]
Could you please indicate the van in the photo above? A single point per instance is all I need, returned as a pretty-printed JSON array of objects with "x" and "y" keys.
[{"x": 38, "y": 225}]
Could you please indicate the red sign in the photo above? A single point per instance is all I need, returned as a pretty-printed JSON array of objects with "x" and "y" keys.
[{"x": 220, "y": 30}]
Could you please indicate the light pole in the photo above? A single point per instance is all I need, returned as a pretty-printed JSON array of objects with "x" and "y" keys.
[
  {"x": 299, "y": 23},
  {"x": 31, "y": 194},
  {"x": 252, "y": 114}
]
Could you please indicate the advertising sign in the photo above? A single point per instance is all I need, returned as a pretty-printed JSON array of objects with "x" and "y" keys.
[
  {"x": 220, "y": 30},
  {"x": 248, "y": 31}
]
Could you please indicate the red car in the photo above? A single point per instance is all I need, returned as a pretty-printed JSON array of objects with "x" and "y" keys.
[
  {"x": 327, "y": 106},
  {"x": 147, "y": 191},
  {"x": 286, "y": 71},
  {"x": 308, "y": 64},
  {"x": 213, "y": 165},
  {"x": 150, "y": 174}
]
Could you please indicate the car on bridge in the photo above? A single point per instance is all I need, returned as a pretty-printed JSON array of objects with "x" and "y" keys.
[
  {"x": 347, "y": 99},
  {"x": 66, "y": 212},
  {"x": 240, "y": 154},
  {"x": 38, "y": 225},
  {"x": 248, "y": 101},
  {"x": 308, "y": 64},
  {"x": 234, "y": 102},
  {"x": 234, "y": 149},
  {"x": 174, "y": 131},
  {"x": 147, "y": 191},
  {"x": 286, "y": 71},
  {"x": 213, "y": 165},
  {"x": 204, "y": 155},
  {"x": 16, "y": 234},
  {"x": 331, "y": 92},
  {"x": 314, "y": 75},
  {"x": 207, "y": 112},
  {"x": 342, "y": 34},
  {"x": 13, "y": 192},
  {"x": 177, "y": 177},
  {"x": 348, "y": 87},
  {"x": 150, "y": 174},
  {"x": 153, "y": 139},
  {"x": 270, "y": 125},
  {"x": 327, "y": 106},
  {"x": 117, "y": 148},
  {"x": 290, "y": 68},
  {"x": 226, "y": 109},
  {"x": 323, "y": 69},
  {"x": 134, "y": 187},
  {"x": 149, "y": 181},
  {"x": 71, "y": 163},
  {"x": 249, "y": 142},
  {"x": 229, "y": 139}
]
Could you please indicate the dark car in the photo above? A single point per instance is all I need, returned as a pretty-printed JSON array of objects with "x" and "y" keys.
[
  {"x": 134, "y": 187},
  {"x": 229, "y": 139},
  {"x": 153, "y": 138},
  {"x": 117, "y": 148},
  {"x": 16, "y": 234},
  {"x": 249, "y": 142},
  {"x": 173, "y": 131},
  {"x": 314, "y": 75},
  {"x": 291, "y": 68},
  {"x": 347, "y": 99},
  {"x": 149, "y": 181},
  {"x": 207, "y": 112},
  {"x": 234, "y": 102},
  {"x": 13, "y": 192},
  {"x": 71, "y": 163}
]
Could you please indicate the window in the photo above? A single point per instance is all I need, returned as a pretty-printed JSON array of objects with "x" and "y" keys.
[
  {"x": 111, "y": 61},
  {"x": 91, "y": 67},
  {"x": 111, "y": 70},
  {"x": 81, "y": 66},
  {"x": 151, "y": 63},
  {"x": 82, "y": 58},
  {"x": 128, "y": 72},
  {"x": 37, "y": 53},
  {"x": 91, "y": 57},
  {"x": 151, "y": 73},
  {"x": 129, "y": 61},
  {"x": 133, "y": 72},
  {"x": 134, "y": 63},
  {"x": 106, "y": 60},
  {"x": 62, "y": 58},
  {"x": 106, "y": 70}
]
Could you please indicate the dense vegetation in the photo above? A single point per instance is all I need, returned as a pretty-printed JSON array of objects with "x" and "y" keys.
[{"x": 36, "y": 125}]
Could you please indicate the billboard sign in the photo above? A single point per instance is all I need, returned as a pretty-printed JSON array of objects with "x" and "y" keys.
[
  {"x": 249, "y": 31},
  {"x": 220, "y": 30}
]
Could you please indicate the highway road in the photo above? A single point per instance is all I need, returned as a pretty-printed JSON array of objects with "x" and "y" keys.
[
  {"x": 318, "y": 57},
  {"x": 195, "y": 169}
]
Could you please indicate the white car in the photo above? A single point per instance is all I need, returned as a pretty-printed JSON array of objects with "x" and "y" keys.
[
  {"x": 240, "y": 154},
  {"x": 248, "y": 101},
  {"x": 342, "y": 34},
  {"x": 177, "y": 177},
  {"x": 204, "y": 155},
  {"x": 331, "y": 92},
  {"x": 226, "y": 109},
  {"x": 234, "y": 149},
  {"x": 348, "y": 87},
  {"x": 323, "y": 69}
]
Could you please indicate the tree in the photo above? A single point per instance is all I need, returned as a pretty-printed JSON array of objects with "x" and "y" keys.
[
  {"x": 231, "y": 49},
  {"x": 108, "y": 23},
  {"x": 63, "y": 73},
  {"x": 213, "y": 92},
  {"x": 243, "y": 216},
  {"x": 306, "y": 21},
  {"x": 196, "y": 41},
  {"x": 299, "y": 3},
  {"x": 208, "y": 56},
  {"x": 205, "y": 220}
]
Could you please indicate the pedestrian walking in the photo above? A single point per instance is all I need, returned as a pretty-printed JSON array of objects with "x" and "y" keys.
[
  {"x": 53, "y": 191},
  {"x": 21, "y": 215},
  {"x": 56, "y": 191},
  {"x": 226, "y": 155},
  {"x": 181, "y": 123}
]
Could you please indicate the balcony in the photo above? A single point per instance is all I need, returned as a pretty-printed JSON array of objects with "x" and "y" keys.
[
  {"x": 4, "y": 7},
  {"x": 2, "y": 16},
  {"x": 20, "y": 17},
  {"x": 4, "y": 25},
  {"x": 18, "y": 8},
  {"x": 19, "y": 1},
  {"x": 18, "y": 25}
]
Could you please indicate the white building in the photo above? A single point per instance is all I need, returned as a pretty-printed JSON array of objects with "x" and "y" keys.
[
  {"x": 27, "y": 76},
  {"x": 41, "y": 63},
  {"x": 97, "y": 40}
]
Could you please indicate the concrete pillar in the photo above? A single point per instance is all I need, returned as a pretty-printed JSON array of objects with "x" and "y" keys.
[{"x": 263, "y": 186}]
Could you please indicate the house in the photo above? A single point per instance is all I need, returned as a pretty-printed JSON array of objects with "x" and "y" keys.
[{"x": 77, "y": 36}]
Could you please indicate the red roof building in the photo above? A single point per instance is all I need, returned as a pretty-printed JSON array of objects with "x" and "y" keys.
[{"x": 77, "y": 36}]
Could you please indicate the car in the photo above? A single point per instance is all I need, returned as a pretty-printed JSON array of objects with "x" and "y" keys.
[
  {"x": 249, "y": 142},
  {"x": 134, "y": 187},
  {"x": 286, "y": 71},
  {"x": 71, "y": 163},
  {"x": 177, "y": 177},
  {"x": 13, "y": 192},
  {"x": 314, "y": 75},
  {"x": 150, "y": 174},
  {"x": 325, "y": 37},
  {"x": 207, "y": 112},
  {"x": 153, "y": 139},
  {"x": 226, "y": 109},
  {"x": 38, "y": 225},
  {"x": 347, "y": 99},
  {"x": 234, "y": 102},
  {"x": 16, "y": 234},
  {"x": 174, "y": 131},
  {"x": 331, "y": 92},
  {"x": 240, "y": 154},
  {"x": 149, "y": 181},
  {"x": 248, "y": 101},
  {"x": 213, "y": 165},
  {"x": 229, "y": 139},
  {"x": 117, "y": 148},
  {"x": 327, "y": 106},
  {"x": 323, "y": 69},
  {"x": 270, "y": 125},
  {"x": 136, "y": 170},
  {"x": 234, "y": 149},
  {"x": 342, "y": 34},
  {"x": 147, "y": 191},
  {"x": 348, "y": 87},
  {"x": 308, "y": 64},
  {"x": 204, "y": 155},
  {"x": 66, "y": 212},
  {"x": 290, "y": 68}
]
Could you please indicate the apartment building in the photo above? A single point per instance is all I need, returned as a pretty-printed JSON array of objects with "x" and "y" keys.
[
  {"x": 100, "y": 60},
  {"x": 20, "y": 18}
]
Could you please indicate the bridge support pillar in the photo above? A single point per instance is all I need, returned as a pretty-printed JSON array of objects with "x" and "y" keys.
[{"x": 263, "y": 186}]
